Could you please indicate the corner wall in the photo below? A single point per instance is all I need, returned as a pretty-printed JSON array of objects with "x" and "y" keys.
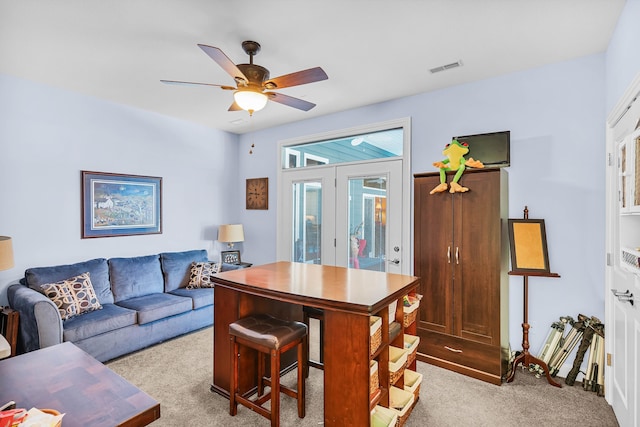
[{"x": 47, "y": 136}]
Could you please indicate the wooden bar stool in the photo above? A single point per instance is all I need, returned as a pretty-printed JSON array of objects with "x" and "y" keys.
[
  {"x": 314, "y": 313},
  {"x": 268, "y": 336}
]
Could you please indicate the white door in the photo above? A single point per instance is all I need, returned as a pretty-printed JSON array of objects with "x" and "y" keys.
[
  {"x": 347, "y": 215},
  {"x": 369, "y": 217},
  {"x": 622, "y": 339}
]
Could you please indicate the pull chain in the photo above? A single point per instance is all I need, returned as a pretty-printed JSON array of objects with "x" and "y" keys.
[{"x": 251, "y": 131}]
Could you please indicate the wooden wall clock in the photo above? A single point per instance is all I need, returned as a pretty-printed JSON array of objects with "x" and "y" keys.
[{"x": 257, "y": 193}]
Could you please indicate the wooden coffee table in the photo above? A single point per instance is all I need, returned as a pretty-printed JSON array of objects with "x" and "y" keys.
[{"x": 67, "y": 379}]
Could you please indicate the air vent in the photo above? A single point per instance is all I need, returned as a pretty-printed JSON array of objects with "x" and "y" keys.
[
  {"x": 446, "y": 67},
  {"x": 630, "y": 260}
]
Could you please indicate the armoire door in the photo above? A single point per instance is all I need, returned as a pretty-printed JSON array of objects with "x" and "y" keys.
[
  {"x": 478, "y": 242},
  {"x": 434, "y": 255}
]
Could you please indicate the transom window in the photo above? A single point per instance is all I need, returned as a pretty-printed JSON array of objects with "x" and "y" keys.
[{"x": 345, "y": 149}]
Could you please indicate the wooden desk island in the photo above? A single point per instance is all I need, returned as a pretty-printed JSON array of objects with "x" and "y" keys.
[{"x": 347, "y": 296}]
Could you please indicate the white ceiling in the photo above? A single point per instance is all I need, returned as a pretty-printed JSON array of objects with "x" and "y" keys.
[{"x": 372, "y": 50}]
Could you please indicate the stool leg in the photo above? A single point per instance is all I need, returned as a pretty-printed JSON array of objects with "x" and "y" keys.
[
  {"x": 261, "y": 362},
  {"x": 233, "y": 381},
  {"x": 321, "y": 321},
  {"x": 305, "y": 320},
  {"x": 302, "y": 367},
  {"x": 306, "y": 356},
  {"x": 275, "y": 388}
]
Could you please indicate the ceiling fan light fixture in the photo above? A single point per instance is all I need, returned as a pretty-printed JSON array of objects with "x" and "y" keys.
[{"x": 250, "y": 100}]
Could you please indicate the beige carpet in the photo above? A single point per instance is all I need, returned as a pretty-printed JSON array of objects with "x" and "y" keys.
[{"x": 179, "y": 373}]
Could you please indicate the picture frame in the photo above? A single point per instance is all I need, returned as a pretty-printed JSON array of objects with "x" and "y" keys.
[
  {"x": 528, "y": 244},
  {"x": 230, "y": 257},
  {"x": 120, "y": 205}
]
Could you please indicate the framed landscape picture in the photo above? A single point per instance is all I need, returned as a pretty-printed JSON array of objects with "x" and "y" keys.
[{"x": 120, "y": 205}]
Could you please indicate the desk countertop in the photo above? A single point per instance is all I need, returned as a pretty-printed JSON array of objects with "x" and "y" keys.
[{"x": 320, "y": 286}]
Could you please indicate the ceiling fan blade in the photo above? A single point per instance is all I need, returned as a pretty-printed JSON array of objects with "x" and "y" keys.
[
  {"x": 298, "y": 78},
  {"x": 223, "y": 60},
  {"x": 174, "y": 82},
  {"x": 234, "y": 107},
  {"x": 290, "y": 101}
]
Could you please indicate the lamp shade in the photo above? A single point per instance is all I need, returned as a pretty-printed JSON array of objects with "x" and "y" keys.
[
  {"x": 231, "y": 233},
  {"x": 6, "y": 253},
  {"x": 250, "y": 100}
]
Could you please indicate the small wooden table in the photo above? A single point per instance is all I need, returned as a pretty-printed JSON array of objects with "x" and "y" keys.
[
  {"x": 347, "y": 296},
  {"x": 67, "y": 379}
]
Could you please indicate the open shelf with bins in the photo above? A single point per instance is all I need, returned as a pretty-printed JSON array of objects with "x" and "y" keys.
[{"x": 393, "y": 335}]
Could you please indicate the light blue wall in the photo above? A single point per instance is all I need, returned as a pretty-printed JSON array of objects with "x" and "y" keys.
[
  {"x": 556, "y": 118},
  {"x": 47, "y": 136},
  {"x": 623, "y": 59}
]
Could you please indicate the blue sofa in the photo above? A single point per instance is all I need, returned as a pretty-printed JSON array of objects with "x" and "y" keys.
[{"x": 144, "y": 301}]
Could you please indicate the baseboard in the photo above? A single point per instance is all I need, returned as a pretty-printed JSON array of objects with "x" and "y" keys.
[{"x": 465, "y": 370}]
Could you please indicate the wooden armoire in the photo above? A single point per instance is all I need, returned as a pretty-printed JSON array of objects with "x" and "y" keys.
[{"x": 461, "y": 256}]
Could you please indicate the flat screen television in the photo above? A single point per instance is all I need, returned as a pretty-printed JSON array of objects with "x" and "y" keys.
[{"x": 492, "y": 149}]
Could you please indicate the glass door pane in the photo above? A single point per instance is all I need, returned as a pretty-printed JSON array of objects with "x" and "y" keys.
[
  {"x": 369, "y": 225},
  {"x": 306, "y": 218},
  {"x": 307, "y": 222},
  {"x": 367, "y": 222}
]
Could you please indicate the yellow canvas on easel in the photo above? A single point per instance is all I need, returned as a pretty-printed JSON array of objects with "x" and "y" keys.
[{"x": 528, "y": 245}]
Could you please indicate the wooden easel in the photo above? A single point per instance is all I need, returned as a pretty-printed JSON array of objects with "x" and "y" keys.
[{"x": 525, "y": 358}]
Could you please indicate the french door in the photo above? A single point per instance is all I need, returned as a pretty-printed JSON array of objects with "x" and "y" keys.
[{"x": 345, "y": 215}]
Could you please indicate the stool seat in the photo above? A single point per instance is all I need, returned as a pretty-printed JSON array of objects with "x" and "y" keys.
[{"x": 267, "y": 331}]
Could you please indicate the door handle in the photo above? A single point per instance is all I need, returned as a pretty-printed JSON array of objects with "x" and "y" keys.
[
  {"x": 457, "y": 255},
  {"x": 448, "y": 254},
  {"x": 623, "y": 296},
  {"x": 395, "y": 261}
]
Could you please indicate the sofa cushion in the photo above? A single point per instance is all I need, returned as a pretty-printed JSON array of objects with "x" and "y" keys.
[
  {"x": 72, "y": 297},
  {"x": 110, "y": 318},
  {"x": 201, "y": 297},
  {"x": 157, "y": 306},
  {"x": 200, "y": 276},
  {"x": 176, "y": 267},
  {"x": 97, "y": 268},
  {"x": 135, "y": 277}
]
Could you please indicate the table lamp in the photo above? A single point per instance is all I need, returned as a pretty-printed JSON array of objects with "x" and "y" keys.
[
  {"x": 230, "y": 234},
  {"x": 6, "y": 253}
]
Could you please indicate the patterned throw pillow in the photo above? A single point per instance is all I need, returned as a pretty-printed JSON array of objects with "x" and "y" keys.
[
  {"x": 73, "y": 297},
  {"x": 201, "y": 273}
]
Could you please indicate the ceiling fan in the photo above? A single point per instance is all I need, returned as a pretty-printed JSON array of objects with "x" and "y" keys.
[{"x": 253, "y": 80}]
